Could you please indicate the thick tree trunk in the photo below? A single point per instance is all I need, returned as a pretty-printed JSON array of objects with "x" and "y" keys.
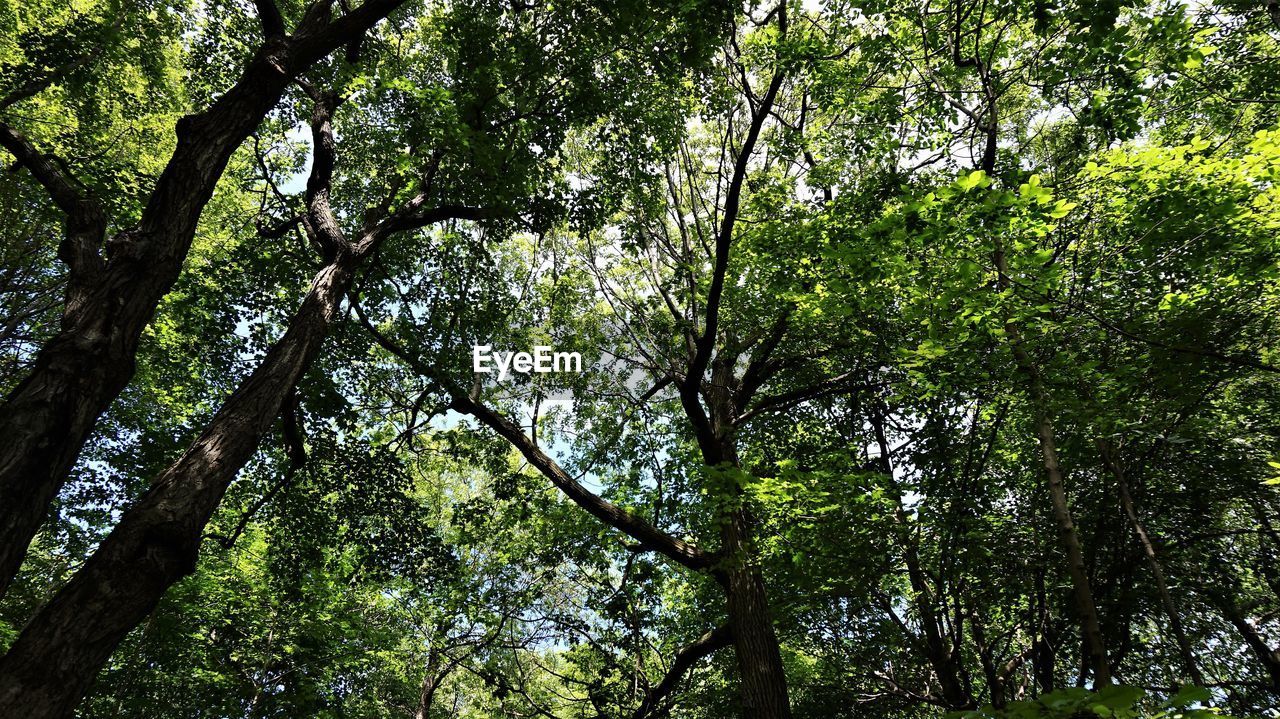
[
  {"x": 1153, "y": 562},
  {"x": 431, "y": 678},
  {"x": 54, "y": 660},
  {"x": 47, "y": 418},
  {"x": 763, "y": 681},
  {"x": 762, "y": 678}
]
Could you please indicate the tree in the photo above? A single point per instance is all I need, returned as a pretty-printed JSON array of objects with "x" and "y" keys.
[
  {"x": 114, "y": 284},
  {"x": 157, "y": 539},
  {"x": 928, "y": 363}
]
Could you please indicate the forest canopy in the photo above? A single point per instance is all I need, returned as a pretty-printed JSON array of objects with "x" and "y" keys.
[{"x": 927, "y": 359}]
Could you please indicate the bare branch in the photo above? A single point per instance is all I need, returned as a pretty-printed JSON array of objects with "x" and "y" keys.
[{"x": 833, "y": 385}]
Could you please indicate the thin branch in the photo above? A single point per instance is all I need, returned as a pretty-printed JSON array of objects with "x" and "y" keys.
[
  {"x": 782, "y": 401},
  {"x": 269, "y": 15}
]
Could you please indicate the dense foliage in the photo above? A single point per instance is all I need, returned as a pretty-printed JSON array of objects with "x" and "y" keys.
[{"x": 930, "y": 359}]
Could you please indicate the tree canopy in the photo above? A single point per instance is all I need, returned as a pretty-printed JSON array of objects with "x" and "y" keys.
[{"x": 929, "y": 362}]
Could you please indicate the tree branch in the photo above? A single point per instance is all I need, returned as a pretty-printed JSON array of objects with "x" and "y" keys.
[
  {"x": 650, "y": 537},
  {"x": 57, "y": 182},
  {"x": 269, "y": 15},
  {"x": 689, "y": 388},
  {"x": 828, "y": 386},
  {"x": 86, "y": 222},
  {"x": 320, "y": 222},
  {"x": 703, "y": 646}
]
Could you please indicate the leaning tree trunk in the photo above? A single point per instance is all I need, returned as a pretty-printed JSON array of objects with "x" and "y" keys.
[
  {"x": 1266, "y": 655},
  {"x": 1153, "y": 562},
  {"x": 684, "y": 659},
  {"x": 1094, "y": 646},
  {"x": 47, "y": 418},
  {"x": 54, "y": 660},
  {"x": 1261, "y": 509}
]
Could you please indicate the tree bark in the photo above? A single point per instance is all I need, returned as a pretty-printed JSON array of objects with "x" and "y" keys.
[
  {"x": 1153, "y": 562},
  {"x": 51, "y": 665},
  {"x": 53, "y": 662},
  {"x": 46, "y": 419},
  {"x": 763, "y": 680},
  {"x": 1261, "y": 510},
  {"x": 1094, "y": 644},
  {"x": 431, "y": 678},
  {"x": 1267, "y": 656},
  {"x": 942, "y": 660},
  {"x": 1044, "y": 658}
]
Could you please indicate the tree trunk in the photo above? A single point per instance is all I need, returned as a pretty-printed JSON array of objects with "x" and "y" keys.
[
  {"x": 1157, "y": 570},
  {"x": 1094, "y": 646},
  {"x": 54, "y": 660},
  {"x": 942, "y": 660},
  {"x": 1261, "y": 510},
  {"x": 46, "y": 419},
  {"x": 996, "y": 681},
  {"x": 1270, "y": 658},
  {"x": 1043, "y": 654},
  {"x": 763, "y": 681},
  {"x": 431, "y": 679}
]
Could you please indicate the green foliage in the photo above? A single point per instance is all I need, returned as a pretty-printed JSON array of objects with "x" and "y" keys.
[
  {"x": 1117, "y": 701},
  {"x": 887, "y": 462}
]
